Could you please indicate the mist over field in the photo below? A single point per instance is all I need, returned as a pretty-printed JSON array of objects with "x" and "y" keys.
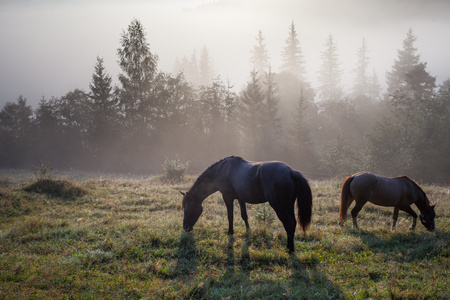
[{"x": 329, "y": 87}]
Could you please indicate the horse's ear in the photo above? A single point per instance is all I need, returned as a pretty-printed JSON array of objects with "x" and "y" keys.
[
  {"x": 432, "y": 206},
  {"x": 184, "y": 194}
]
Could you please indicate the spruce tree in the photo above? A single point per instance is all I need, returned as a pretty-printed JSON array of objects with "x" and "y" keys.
[
  {"x": 16, "y": 121},
  {"x": 406, "y": 60},
  {"x": 299, "y": 133},
  {"x": 292, "y": 55},
  {"x": 251, "y": 116},
  {"x": 138, "y": 66},
  {"x": 260, "y": 58},
  {"x": 206, "y": 73},
  {"x": 361, "y": 81},
  {"x": 104, "y": 111},
  {"x": 330, "y": 73},
  {"x": 271, "y": 124}
]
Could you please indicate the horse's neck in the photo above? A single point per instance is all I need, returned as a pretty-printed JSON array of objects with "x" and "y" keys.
[
  {"x": 422, "y": 203},
  {"x": 205, "y": 188}
]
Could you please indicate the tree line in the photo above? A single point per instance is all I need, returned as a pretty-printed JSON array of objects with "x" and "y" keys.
[{"x": 153, "y": 114}]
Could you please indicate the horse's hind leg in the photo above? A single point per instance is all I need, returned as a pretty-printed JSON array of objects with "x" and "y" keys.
[
  {"x": 287, "y": 217},
  {"x": 355, "y": 211},
  {"x": 395, "y": 217},
  {"x": 244, "y": 213}
]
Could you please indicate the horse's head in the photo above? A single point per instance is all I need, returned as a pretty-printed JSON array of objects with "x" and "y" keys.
[
  {"x": 427, "y": 218},
  {"x": 192, "y": 208}
]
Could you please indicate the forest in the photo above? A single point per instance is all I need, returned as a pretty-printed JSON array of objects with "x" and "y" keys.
[{"x": 191, "y": 114}]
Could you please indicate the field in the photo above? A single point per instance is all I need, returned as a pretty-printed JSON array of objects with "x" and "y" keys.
[{"x": 121, "y": 237}]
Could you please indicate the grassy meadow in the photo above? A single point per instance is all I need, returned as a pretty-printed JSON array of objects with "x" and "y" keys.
[{"x": 93, "y": 236}]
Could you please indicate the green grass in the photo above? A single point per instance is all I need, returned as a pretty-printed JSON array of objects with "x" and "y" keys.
[{"x": 123, "y": 238}]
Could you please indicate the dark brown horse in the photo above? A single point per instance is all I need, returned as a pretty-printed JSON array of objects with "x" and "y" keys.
[
  {"x": 399, "y": 192},
  {"x": 249, "y": 182}
]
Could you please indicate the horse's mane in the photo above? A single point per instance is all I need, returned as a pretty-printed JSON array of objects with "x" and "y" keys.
[{"x": 211, "y": 171}]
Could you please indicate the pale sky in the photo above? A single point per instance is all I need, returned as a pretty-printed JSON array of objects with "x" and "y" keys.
[{"x": 49, "y": 47}]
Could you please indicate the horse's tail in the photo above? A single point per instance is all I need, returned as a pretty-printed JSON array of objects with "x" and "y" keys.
[
  {"x": 345, "y": 193},
  {"x": 304, "y": 200}
]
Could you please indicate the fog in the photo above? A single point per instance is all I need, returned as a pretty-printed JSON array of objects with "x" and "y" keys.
[
  {"x": 50, "y": 47},
  {"x": 317, "y": 119}
]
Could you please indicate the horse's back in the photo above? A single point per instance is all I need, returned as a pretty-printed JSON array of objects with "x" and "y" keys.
[
  {"x": 276, "y": 181},
  {"x": 243, "y": 179},
  {"x": 377, "y": 189},
  {"x": 363, "y": 185},
  {"x": 257, "y": 182}
]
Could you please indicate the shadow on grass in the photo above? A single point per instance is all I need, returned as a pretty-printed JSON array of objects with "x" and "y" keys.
[
  {"x": 244, "y": 262},
  {"x": 186, "y": 255},
  {"x": 407, "y": 247},
  {"x": 253, "y": 272}
]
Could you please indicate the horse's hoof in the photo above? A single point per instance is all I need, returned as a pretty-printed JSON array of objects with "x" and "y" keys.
[{"x": 412, "y": 228}]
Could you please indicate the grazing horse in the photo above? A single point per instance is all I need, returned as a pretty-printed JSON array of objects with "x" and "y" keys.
[
  {"x": 250, "y": 182},
  {"x": 399, "y": 192}
]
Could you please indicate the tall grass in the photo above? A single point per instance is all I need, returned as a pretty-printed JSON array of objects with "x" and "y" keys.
[{"x": 123, "y": 238}]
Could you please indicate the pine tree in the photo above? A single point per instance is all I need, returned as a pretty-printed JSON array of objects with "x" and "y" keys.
[
  {"x": 374, "y": 89},
  {"x": 260, "y": 58},
  {"x": 403, "y": 140},
  {"x": 192, "y": 70},
  {"x": 292, "y": 55},
  {"x": 361, "y": 81},
  {"x": 189, "y": 68},
  {"x": 330, "y": 73},
  {"x": 230, "y": 104},
  {"x": 104, "y": 111},
  {"x": 49, "y": 132},
  {"x": 407, "y": 59},
  {"x": 139, "y": 69},
  {"x": 410, "y": 86},
  {"x": 16, "y": 118},
  {"x": 206, "y": 69},
  {"x": 299, "y": 134},
  {"x": 251, "y": 116},
  {"x": 271, "y": 125},
  {"x": 16, "y": 121}
]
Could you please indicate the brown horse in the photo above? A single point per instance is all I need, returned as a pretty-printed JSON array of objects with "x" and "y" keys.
[
  {"x": 399, "y": 192},
  {"x": 253, "y": 183}
]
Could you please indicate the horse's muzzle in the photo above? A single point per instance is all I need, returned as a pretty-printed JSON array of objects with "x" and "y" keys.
[{"x": 188, "y": 228}]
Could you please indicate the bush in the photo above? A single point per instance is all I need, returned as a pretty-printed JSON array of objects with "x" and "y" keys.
[
  {"x": 43, "y": 171},
  {"x": 175, "y": 169},
  {"x": 264, "y": 214}
]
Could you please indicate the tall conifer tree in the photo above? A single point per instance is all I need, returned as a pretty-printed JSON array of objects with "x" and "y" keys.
[
  {"x": 260, "y": 58},
  {"x": 139, "y": 69},
  {"x": 406, "y": 60},
  {"x": 292, "y": 55},
  {"x": 330, "y": 73}
]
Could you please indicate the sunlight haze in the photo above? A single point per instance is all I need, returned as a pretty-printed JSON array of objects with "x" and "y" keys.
[{"x": 50, "y": 47}]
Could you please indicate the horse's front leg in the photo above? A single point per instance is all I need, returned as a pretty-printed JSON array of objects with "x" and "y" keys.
[
  {"x": 230, "y": 212},
  {"x": 413, "y": 214},
  {"x": 244, "y": 213}
]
